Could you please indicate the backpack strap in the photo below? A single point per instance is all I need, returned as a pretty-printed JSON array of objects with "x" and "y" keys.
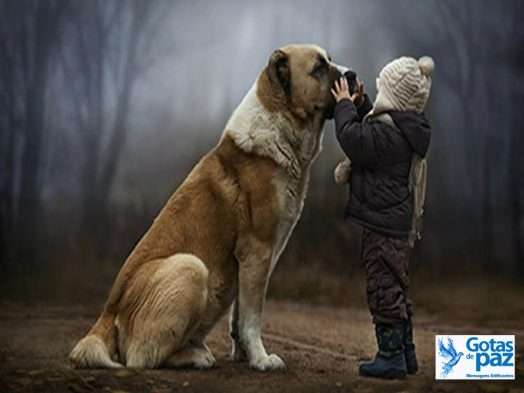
[
  {"x": 418, "y": 184},
  {"x": 384, "y": 117}
]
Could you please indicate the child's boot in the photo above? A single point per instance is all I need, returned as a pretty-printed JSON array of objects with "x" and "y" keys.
[
  {"x": 390, "y": 361},
  {"x": 409, "y": 348}
]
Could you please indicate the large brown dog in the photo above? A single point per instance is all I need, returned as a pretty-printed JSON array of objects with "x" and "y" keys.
[{"x": 219, "y": 236}]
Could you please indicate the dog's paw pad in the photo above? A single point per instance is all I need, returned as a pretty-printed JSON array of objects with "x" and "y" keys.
[{"x": 204, "y": 361}]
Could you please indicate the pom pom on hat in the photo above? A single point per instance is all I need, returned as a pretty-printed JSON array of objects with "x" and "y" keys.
[{"x": 427, "y": 65}]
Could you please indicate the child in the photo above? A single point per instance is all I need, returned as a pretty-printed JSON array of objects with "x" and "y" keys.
[{"x": 381, "y": 146}]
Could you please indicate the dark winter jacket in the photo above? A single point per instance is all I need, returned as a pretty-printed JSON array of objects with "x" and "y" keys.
[{"x": 380, "y": 163}]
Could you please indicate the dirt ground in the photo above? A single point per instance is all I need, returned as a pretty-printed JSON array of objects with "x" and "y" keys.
[{"x": 321, "y": 346}]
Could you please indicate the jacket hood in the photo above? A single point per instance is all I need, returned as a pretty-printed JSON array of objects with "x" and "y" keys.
[{"x": 416, "y": 129}]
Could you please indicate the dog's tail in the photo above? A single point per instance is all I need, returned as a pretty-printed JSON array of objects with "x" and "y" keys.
[{"x": 99, "y": 346}]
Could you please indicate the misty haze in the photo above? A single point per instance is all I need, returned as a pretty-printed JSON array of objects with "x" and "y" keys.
[{"x": 106, "y": 106}]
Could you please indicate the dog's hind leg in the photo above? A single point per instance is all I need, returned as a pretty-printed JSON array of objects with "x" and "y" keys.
[{"x": 171, "y": 304}]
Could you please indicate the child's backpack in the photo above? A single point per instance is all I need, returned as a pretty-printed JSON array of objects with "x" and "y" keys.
[{"x": 417, "y": 185}]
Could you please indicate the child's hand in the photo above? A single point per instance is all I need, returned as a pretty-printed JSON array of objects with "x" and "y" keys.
[{"x": 341, "y": 91}]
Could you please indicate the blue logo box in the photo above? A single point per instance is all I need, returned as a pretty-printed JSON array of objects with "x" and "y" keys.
[{"x": 475, "y": 356}]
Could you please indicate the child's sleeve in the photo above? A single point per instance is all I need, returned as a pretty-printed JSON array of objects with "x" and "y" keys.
[
  {"x": 355, "y": 137},
  {"x": 365, "y": 106}
]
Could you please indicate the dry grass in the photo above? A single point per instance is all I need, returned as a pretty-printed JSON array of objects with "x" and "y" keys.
[{"x": 478, "y": 299}]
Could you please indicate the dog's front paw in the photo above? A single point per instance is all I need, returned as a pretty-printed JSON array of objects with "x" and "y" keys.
[{"x": 268, "y": 363}]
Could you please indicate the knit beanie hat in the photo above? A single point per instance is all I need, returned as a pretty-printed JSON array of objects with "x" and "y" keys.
[{"x": 404, "y": 85}]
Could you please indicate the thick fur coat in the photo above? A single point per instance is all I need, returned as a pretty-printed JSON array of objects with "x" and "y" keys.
[{"x": 218, "y": 238}]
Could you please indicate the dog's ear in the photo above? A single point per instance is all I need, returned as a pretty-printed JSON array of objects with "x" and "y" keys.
[{"x": 279, "y": 72}]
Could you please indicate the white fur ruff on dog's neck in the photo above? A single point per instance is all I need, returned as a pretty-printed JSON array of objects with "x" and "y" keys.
[{"x": 270, "y": 134}]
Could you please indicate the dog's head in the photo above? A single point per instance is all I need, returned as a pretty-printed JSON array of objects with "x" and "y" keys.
[{"x": 298, "y": 78}]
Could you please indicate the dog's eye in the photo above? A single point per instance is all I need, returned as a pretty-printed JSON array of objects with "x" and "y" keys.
[
  {"x": 322, "y": 61},
  {"x": 319, "y": 69}
]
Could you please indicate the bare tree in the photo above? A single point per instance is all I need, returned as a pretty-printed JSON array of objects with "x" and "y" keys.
[
  {"x": 516, "y": 147},
  {"x": 111, "y": 49},
  {"x": 28, "y": 37}
]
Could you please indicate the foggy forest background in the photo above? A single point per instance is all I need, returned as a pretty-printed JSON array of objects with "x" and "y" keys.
[{"x": 105, "y": 106}]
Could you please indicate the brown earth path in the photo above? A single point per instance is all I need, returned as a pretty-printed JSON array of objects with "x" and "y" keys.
[{"x": 321, "y": 346}]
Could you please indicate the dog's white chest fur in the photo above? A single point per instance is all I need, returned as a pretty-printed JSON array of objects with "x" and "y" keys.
[{"x": 256, "y": 130}]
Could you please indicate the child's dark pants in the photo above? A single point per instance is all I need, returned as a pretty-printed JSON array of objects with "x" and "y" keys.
[{"x": 386, "y": 260}]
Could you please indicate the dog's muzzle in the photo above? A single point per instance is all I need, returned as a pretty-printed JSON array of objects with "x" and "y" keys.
[{"x": 341, "y": 68}]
